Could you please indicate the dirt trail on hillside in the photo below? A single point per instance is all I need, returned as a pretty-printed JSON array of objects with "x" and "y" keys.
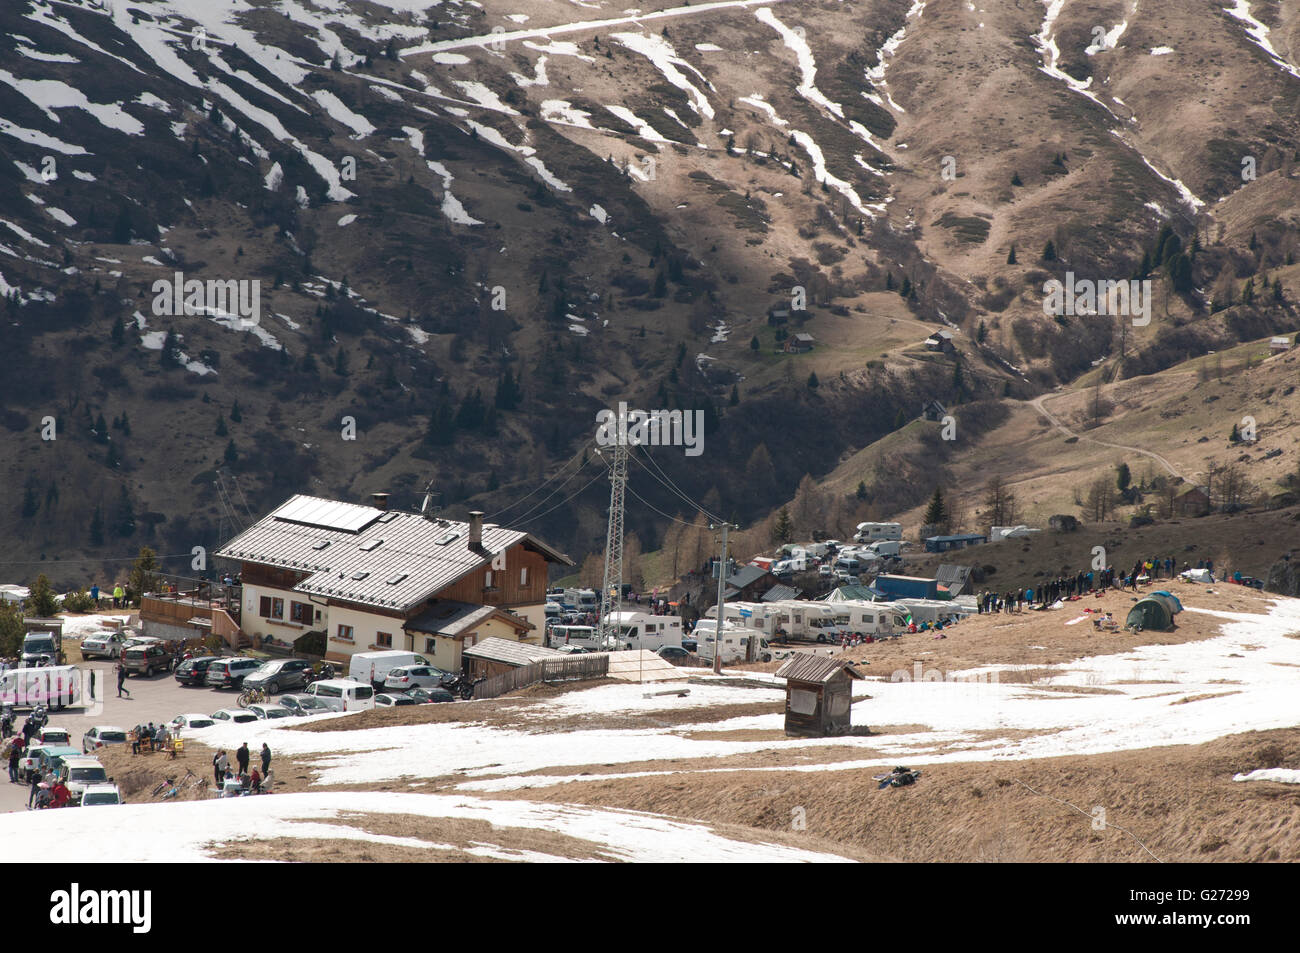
[{"x": 1038, "y": 403}]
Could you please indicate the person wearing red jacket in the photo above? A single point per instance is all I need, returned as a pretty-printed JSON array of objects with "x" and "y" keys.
[{"x": 60, "y": 794}]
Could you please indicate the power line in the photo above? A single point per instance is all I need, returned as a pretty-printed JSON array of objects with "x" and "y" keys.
[
  {"x": 90, "y": 559},
  {"x": 574, "y": 496},
  {"x": 673, "y": 488},
  {"x": 657, "y": 510},
  {"x": 542, "y": 502},
  {"x": 542, "y": 485}
]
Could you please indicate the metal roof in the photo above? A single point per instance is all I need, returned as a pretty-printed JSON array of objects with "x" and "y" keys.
[
  {"x": 510, "y": 653},
  {"x": 806, "y": 667},
  {"x": 745, "y": 575},
  {"x": 450, "y": 617},
  {"x": 779, "y": 593},
  {"x": 381, "y": 558}
]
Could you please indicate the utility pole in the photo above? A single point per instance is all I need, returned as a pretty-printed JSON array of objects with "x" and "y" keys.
[
  {"x": 722, "y": 585},
  {"x": 611, "y": 598}
]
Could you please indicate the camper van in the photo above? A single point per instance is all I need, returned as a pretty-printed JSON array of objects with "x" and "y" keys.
[
  {"x": 789, "y": 565},
  {"x": 735, "y": 643},
  {"x": 870, "y": 532},
  {"x": 371, "y": 668},
  {"x": 641, "y": 630},
  {"x": 870, "y": 618},
  {"x": 583, "y": 600},
  {"x": 580, "y": 636},
  {"x": 808, "y": 621},
  {"x": 51, "y": 686}
]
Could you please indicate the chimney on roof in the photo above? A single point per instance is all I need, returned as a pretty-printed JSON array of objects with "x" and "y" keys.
[
  {"x": 380, "y": 500},
  {"x": 476, "y": 529}
]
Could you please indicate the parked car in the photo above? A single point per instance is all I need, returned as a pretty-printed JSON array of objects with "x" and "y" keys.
[
  {"x": 231, "y": 672},
  {"x": 426, "y": 696},
  {"x": 672, "y": 653},
  {"x": 181, "y": 722},
  {"x": 392, "y": 699},
  {"x": 82, "y": 772},
  {"x": 52, "y": 736},
  {"x": 239, "y": 716},
  {"x": 148, "y": 658},
  {"x": 343, "y": 694},
  {"x": 572, "y": 649},
  {"x": 30, "y": 761},
  {"x": 53, "y": 758},
  {"x": 101, "y": 736},
  {"x": 268, "y": 712},
  {"x": 275, "y": 676},
  {"x": 194, "y": 671},
  {"x": 108, "y": 645},
  {"x": 416, "y": 676},
  {"x": 96, "y": 795},
  {"x": 304, "y": 704},
  {"x": 690, "y": 644}
]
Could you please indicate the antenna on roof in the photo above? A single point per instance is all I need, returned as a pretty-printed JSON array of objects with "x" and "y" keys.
[{"x": 428, "y": 509}]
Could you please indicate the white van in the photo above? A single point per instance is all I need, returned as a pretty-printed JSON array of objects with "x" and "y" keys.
[
  {"x": 868, "y": 532},
  {"x": 870, "y": 618},
  {"x": 54, "y": 687},
  {"x": 371, "y": 668},
  {"x": 342, "y": 694}
]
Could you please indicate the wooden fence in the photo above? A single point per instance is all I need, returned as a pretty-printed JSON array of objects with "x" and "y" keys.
[{"x": 548, "y": 670}]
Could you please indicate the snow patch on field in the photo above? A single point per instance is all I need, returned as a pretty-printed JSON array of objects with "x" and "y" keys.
[
  {"x": 451, "y": 206},
  {"x": 1161, "y": 50},
  {"x": 1280, "y": 775},
  {"x": 643, "y": 128},
  {"x": 338, "y": 110},
  {"x": 807, "y": 87},
  {"x": 51, "y": 94},
  {"x": 186, "y": 832},
  {"x": 1108, "y": 39},
  {"x": 876, "y": 74},
  {"x": 665, "y": 59},
  {"x": 558, "y": 110},
  {"x": 1258, "y": 34}
]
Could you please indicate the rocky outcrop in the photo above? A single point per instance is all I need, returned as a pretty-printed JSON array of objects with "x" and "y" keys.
[{"x": 1284, "y": 577}]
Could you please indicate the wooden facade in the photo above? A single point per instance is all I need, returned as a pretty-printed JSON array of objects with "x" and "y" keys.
[{"x": 818, "y": 696}]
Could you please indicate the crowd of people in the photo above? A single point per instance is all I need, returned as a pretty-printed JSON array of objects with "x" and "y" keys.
[
  {"x": 249, "y": 781},
  {"x": 1083, "y": 582}
]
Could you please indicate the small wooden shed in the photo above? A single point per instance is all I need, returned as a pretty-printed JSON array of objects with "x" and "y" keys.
[{"x": 818, "y": 695}]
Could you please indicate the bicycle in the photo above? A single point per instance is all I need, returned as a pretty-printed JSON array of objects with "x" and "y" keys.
[
  {"x": 170, "y": 789},
  {"x": 251, "y": 696}
]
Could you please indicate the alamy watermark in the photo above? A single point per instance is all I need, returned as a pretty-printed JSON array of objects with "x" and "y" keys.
[
  {"x": 240, "y": 299},
  {"x": 651, "y": 428},
  {"x": 76, "y": 906},
  {"x": 1087, "y": 297}
]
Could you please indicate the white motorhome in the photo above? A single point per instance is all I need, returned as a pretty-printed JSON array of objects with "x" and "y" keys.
[
  {"x": 870, "y": 618},
  {"x": 736, "y": 641},
  {"x": 641, "y": 630},
  {"x": 869, "y": 532},
  {"x": 581, "y": 636},
  {"x": 584, "y": 600},
  {"x": 372, "y": 668},
  {"x": 754, "y": 615},
  {"x": 813, "y": 621},
  {"x": 791, "y": 564},
  {"x": 932, "y": 610}
]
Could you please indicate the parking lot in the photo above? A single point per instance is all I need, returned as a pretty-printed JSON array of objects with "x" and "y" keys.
[{"x": 156, "y": 699}]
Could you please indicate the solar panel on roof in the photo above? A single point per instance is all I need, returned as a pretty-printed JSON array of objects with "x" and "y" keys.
[
  {"x": 321, "y": 545},
  {"x": 448, "y": 538},
  {"x": 370, "y": 546},
  {"x": 327, "y": 514}
]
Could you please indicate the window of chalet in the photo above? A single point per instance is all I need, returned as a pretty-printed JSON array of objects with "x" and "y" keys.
[
  {"x": 271, "y": 608},
  {"x": 300, "y": 612},
  {"x": 431, "y": 646},
  {"x": 523, "y": 576},
  {"x": 345, "y": 633},
  {"x": 384, "y": 640}
]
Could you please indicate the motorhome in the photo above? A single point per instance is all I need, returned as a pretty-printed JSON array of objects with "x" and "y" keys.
[
  {"x": 584, "y": 600},
  {"x": 870, "y": 618},
  {"x": 641, "y": 630},
  {"x": 54, "y": 687},
  {"x": 932, "y": 610},
  {"x": 736, "y": 643},
  {"x": 579, "y": 636},
  {"x": 789, "y": 565},
  {"x": 869, "y": 532}
]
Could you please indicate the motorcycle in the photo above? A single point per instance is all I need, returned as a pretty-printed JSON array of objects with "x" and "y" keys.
[{"x": 463, "y": 686}]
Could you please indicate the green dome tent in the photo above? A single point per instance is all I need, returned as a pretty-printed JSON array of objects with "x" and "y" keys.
[{"x": 1156, "y": 611}]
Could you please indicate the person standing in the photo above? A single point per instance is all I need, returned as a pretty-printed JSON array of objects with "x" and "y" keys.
[
  {"x": 15, "y": 755},
  {"x": 266, "y": 758},
  {"x": 92, "y": 684},
  {"x": 121, "y": 681},
  {"x": 94, "y": 594},
  {"x": 241, "y": 757}
]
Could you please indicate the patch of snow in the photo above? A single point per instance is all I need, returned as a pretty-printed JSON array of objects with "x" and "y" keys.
[
  {"x": 51, "y": 94},
  {"x": 1108, "y": 39},
  {"x": 1161, "y": 50},
  {"x": 347, "y": 220},
  {"x": 338, "y": 110},
  {"x": 643, "y": 128},
  {"x": 661, "y": 53},
  {"x": 600, "y": 215},
  {"x": 559, "y": 110},
  {"x": 450, "y": 59},
  {"x": 1258, "y": 34},
  {"x": 60, "y": 216},
  {"x": 807, "y": 87}
]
